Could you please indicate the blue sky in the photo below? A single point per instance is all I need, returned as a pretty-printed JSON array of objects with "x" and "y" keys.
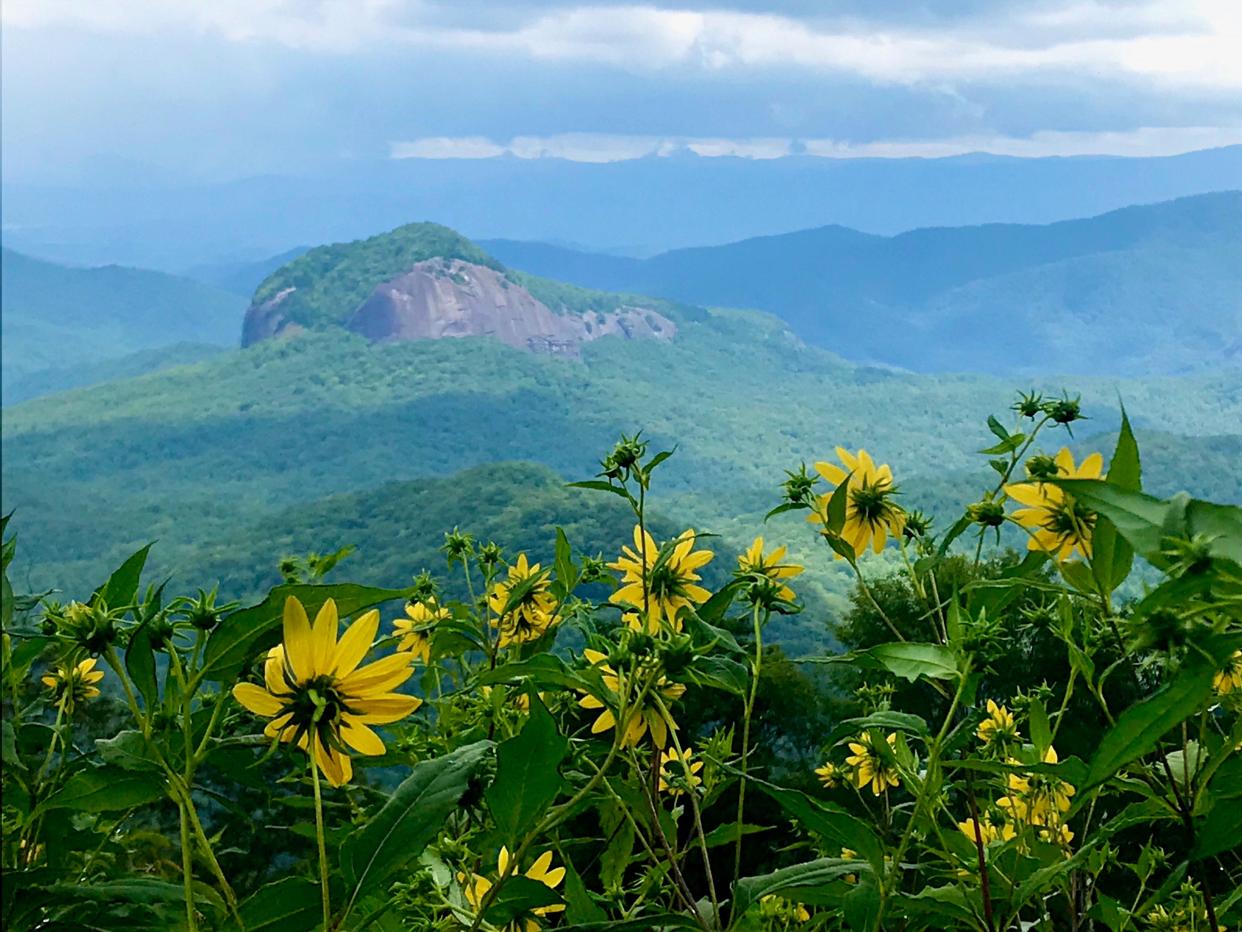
[{"x": 187, "y": 89}]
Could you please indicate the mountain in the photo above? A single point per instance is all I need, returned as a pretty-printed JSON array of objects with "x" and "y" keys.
[
  {"x": 1142, "y": 290},
  {"x": 244, "y": 276},
  {"x": 60, "y": 324},
  {"x": 210, "y": 459},
  {"x": 650, "y": 204},
  {"x": 111, "y": 369},
  {"x": 425, "y": 281}
]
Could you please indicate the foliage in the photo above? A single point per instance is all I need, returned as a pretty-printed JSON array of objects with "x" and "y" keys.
[{"x": 1024, "y": 747}]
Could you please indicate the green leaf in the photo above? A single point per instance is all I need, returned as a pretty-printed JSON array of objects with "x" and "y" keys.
[
  {"x": 251, "y": 631},
  {"x": 543, "y": 670},
  {"x": 1008, "y": 445},
  {"x": 652, "y": 922},
  {"x": 517, "y": 896},
  {"x": 122, "y": 586},
  {"x": 1111, "y": 555},
  {"x": 287, "y": 905},
  {"x": 413, "y": 815},
  {"x": 566, "y": 573},
  {"x": 1041, "y": 731},
  {"x": 580, "y": 906},
  {"x": 828, "y": 820},
  {"x": 1141, "y": 726},
  {"x": 838, "y": 506},
  {"x": 719, "y": 673},
  {"x": 140, "y": 664},
  {"x": 726, "y": 834},
  {"x": 997, "y": 428},
  {"x": 106, "y": 789},
  {"x": 527, "y": 775},
  {"x": 1138, "y": 518},
  {"x": 862, "y": 907},
  {"x": 791, "y": 881},
  {"x": 1220, "y": 830},
  {"x": 598, "y": 485},
  {"x": 128, "y": 750},
  {"x": 910, "y": 660}
]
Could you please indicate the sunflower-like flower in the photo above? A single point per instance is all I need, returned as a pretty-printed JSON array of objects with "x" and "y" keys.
[
  {"x": 772, "y": 906},
  {"x": 999, "y": 728},
  {"x": 638, "y": 721},
  {"x": 1230, "y": 678},
  {"x": 534, "y": 610},
  {"x": 869, "y": 766},
  {"x": 1058, "y": 524},
  {"x": 988, "y": 830},
  {"x": 75, "y": 684},
  {"x": 416, "y": 628},
  {"x": 768, "y": 569},
  {"x": 870, "y": 512},
  {"x": 476, "y": 887},
  {"x": 831, "y": 775},
  {"x": 661, "y": 580},
  {"x": 1039, "y": 799},
  {"x": 318, "y": 697},
  {"x": 679, "y": 772}
]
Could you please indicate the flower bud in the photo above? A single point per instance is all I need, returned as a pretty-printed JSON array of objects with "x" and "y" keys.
[{"x": 986, "y": 513}]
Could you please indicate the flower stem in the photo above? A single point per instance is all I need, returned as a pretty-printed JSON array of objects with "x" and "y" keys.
[
  {"x": 323, "y": 851},
  {"x": 747, "y": 713},
  {"x": 187, "y": 871}
]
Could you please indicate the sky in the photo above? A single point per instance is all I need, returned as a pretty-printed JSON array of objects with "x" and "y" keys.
[{"x": 186, "y": 90}]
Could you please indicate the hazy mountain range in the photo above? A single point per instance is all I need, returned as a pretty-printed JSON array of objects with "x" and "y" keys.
[{"x": 640, "y": 206}]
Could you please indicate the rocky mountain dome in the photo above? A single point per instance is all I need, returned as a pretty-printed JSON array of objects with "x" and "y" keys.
[{"x": 424, "y": 282}]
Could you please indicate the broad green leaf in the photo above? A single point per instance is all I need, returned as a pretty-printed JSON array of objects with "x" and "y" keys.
[
  {"x": 862, "y": 907},
  {"x": 517, "y": 896},
  {"x": 249, "y": 632},
  {"x": 828, "y": 820},
  {"x": 140, "y": 664},
  {"x": 910, "y": 661},
  {"x": 719, "y": 673},
  {"x": 652, "y": 922},
  {"x": 1111, "y": 555},
  {"x": 1041, "y": 731},
  {"x": 726, "y": 833},
  {"x": 1141, "y": 726},
  {"x": 105, "y": 789},
  {"x": 1138, "y": 517},
  {"x": 542, "y": 670},
  {"x": 580, "y": 906},
  {"x": 794, "y": 882},
  {"x": 527, "y": 775},
  {"x": 122, "y": 585},
  {"x": 290, "y": 904},
  {"x": 412, "y": 817},
  {"x": 139, "y": 890},
  {"x": 128, "y": 750}
]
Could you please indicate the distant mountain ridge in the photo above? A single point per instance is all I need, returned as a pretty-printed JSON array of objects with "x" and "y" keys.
[
  {"x": 994, "y": 298},
  {"x": 424, "y": 281},
  {"x": 650, "y": 205},
  {"x": 63, "y": 326}
]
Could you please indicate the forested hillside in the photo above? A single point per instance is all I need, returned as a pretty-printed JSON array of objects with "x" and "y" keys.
[
  {"x": 205, "y": 457},
  {"x": 1142, "y": 290}
]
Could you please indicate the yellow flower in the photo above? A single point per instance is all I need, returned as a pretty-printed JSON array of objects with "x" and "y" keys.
[
  {"x": 869, "y": 766},
  {"x": 475, "y": 888},
  {"x": 989, "y": 831},
  {"x": 849, "y": 854},
  {"x": 678, "y": 771},
  {"x": 772, "y": 906},
  {"x": 1059, "y": 525},
  {"x": 754, "y": 563},
  {"x": 1038, "y": 799},
  {"x": 1230, "y": 678},
  {"x": 74, "y": 684},
  {"x": 637, "y": 721},
  {"x": 999, "y": 727},
  {"x": 830, "y": 774},
  {"x": 317, "y": 696},
  {"x": 662, "y": 582},
  {"x": 416, "y": 628},
  {"x": 870, "y": 512},
  {"x": 535, "y": 610}
]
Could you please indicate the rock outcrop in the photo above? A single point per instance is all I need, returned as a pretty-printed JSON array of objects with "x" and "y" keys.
[{"x": 442, "y": 298}]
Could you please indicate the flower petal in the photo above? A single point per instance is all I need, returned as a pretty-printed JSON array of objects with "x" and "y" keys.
[
  {"x": 384, "y": 709},
  {"x": 323, "y": 636},
  {"x": 361, "y": 738},
  {"x": 382, "y": 676},
  {"x": 257, "y": 699},
  {"x": 355, "y": 643},
  {"x": 297, "y": 640}
]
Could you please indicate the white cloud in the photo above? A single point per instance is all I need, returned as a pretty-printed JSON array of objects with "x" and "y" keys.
[
  {"x": 587, "y": 147},
  {"x": 1173, "y": 42}
]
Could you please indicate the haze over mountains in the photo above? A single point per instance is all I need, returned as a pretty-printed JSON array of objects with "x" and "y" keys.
[
  {"x": 1147, "y": 289},
  {"x": 640, "y": 206}
]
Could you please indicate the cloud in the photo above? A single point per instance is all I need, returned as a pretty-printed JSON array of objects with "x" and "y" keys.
[
  {"x": 1177, "y": 42},
  {"x": 584, "y": 147}
]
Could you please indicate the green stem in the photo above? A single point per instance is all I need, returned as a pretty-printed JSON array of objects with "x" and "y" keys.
[
  {"x": 747, "y": 713},
  {"x": 187, "y": 871},
  {"x": 323, "y": 850}
]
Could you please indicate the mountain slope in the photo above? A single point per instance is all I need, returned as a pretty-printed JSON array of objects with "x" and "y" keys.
[
  {"x": 200, "y": 456},
  {"x": 1167, "y": 278},
  {"x": 55, "y": 318}
]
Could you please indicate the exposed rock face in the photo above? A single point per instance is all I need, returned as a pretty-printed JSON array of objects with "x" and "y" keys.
[{"x": 442, "y": 298}]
